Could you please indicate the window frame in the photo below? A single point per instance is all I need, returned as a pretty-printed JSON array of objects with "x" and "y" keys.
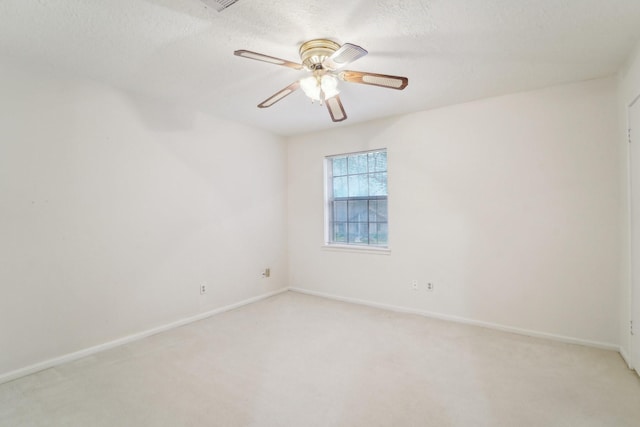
[{"x": 328, "y": 199}]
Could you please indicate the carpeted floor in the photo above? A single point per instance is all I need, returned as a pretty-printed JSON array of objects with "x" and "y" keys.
[{"x": 298, "y": 360}]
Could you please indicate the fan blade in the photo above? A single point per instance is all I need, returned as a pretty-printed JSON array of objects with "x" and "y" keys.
[
  {"x": 336, "y": 110},
  {"x": 345, "y": 55},
  {"x": 266, "y": 58},
  {"x": 279, "y": 95},
  {"x": 382, "y": 80}
]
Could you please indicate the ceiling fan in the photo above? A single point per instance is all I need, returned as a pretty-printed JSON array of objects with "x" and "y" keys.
[{"x": 324, "y": 59}]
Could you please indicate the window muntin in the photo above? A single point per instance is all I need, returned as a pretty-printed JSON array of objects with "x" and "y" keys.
[{"x": 357, "y": 199}]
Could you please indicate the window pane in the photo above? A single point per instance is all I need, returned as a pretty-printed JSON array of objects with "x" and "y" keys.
[
  {"x": 382, "y": 211},
  {"x": 378, "y": 184},
  {"x": 378, "y": 234},
  {"x": 340, "y": 211},
  {"x": 373, "y": 233},
  {"x": 358, "y": 185},
  {"x": 358, "y": 232},
  {"x": 373, "y": 210},
  {"x": 340, "y": 232},
  {"x": 358, "y": 211},
  {"x": 339, "y": 166},
  {"x": 357, "y": 198},
  {"x": 340, "y": 187},
  {"x": 378, "y": 211},
  {"x": 357, "y": 163},
  {"x": 378, "y": 161}
]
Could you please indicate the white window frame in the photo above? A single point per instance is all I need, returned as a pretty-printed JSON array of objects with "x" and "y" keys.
[{"x": 328, "y": 194}]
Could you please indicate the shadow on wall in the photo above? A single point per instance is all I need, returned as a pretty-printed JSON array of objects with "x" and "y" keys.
[{"x": 162, "y": 115}]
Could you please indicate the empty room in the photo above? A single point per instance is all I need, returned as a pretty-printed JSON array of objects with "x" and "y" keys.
[{"x": 319, "y": 213}]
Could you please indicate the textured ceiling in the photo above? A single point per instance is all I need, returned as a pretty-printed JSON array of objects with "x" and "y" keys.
[{"x": 181, "y": 51}]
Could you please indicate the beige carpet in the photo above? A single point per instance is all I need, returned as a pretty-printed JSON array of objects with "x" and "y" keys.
[{"x": 298, "y": 360}]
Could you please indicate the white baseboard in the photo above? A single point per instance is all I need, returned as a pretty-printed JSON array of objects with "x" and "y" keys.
[
  {"x": 625, "y": 357},
  {"x": 463, "y": 320},
  {"x": 12, "y": 375}
]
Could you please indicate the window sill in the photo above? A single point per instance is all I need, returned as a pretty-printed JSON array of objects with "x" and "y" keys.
[{"x": 357, "y": 249}]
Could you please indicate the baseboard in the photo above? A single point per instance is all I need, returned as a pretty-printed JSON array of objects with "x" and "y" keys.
[
  {"x": 12, "y": 375},
  {"x": 625, "y": 357},
  {"x": 463, "y": 320}
]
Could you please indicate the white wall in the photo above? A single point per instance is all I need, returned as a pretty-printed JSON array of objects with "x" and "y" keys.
[
  {"x": 628, "y": 90},
  {"x": 509, "y": 205},
  {"x": 113, "y": 209}
]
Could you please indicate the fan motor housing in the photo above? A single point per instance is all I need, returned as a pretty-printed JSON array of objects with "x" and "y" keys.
[{"x": 314, "y": 52}]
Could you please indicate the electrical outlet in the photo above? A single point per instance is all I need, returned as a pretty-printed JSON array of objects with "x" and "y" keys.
[
  {"x": 203, "y": 288},
  {"x": 266, "y": 273},
  {"x": 429, "y": 287},
  {"x": 414, "y": 285}
]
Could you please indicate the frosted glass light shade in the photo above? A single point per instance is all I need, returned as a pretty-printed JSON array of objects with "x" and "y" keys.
[
  {"x": 314, "y": 87},
  {"x": 310, "y": 87},
  {"x": 329, "y": 85}
]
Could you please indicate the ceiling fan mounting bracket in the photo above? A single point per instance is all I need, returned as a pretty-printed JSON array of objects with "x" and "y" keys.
[{"x": 314, "y": 52}]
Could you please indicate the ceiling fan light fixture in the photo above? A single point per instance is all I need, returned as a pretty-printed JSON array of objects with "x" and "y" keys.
[
  {"x": 329, "y": 85},
  {"x": 319, "y": 88},
  {"x": 322, "y": 59},
  {"x": 310, "y": 87}
]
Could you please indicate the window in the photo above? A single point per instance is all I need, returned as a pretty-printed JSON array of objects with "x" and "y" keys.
[{"x": 357, "y": 199}]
